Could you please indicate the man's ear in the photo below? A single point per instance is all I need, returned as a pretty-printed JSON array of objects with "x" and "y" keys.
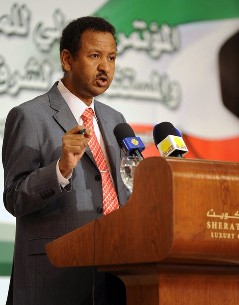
[{"x": 66, "y": 60}]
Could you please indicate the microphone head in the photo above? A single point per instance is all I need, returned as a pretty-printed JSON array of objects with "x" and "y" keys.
[
  {"x": 168, "y": 140},
  {"x": 162, "y": 130},
  {"x": 122, "y": 131},
  {"x": 127, "y": 141}
]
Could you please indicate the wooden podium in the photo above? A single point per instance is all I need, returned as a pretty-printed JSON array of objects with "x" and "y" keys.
[{"x": 175, "y": 242}]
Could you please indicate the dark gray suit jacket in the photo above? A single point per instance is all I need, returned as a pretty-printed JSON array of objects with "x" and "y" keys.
[{"x": 44, "y": 210}]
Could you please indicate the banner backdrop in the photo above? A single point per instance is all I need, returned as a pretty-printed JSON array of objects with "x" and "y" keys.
[
  {"x": 171, "y": 68},
  {"x": 178, "y": 61}
]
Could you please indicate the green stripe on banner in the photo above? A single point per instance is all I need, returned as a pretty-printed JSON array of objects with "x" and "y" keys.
[
  {"x": 173, "y": 12},
  {"x": 6, "y": 255},
  {"x": 7, "y": 236}
]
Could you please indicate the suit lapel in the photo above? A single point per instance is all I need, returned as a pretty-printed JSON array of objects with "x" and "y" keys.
[{"x": 63, "y": 115}]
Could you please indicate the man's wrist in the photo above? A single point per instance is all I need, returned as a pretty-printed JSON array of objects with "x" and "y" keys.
[{"x": 63, "y": 178}]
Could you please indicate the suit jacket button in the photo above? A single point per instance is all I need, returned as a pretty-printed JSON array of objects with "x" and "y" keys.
[
  {"x": 98, "y": 177},
  {"x": 99, "y": 210}
]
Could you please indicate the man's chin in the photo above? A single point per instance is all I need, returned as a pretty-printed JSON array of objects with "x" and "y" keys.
[{"x": 100, "y": 90}]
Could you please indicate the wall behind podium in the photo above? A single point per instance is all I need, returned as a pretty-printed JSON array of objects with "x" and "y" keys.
[{"x": 178, "y": 61}]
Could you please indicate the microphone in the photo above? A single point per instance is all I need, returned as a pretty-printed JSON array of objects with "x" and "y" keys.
[
  {"x": 169, "y": 140},
  {"x": 127, "y": 141}
]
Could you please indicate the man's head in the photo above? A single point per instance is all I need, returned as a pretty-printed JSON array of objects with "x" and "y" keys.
[{"x": 88, "y": 53}]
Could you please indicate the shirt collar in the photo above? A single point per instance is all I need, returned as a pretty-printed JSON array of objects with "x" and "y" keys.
[{"x": 76, "y": 105}]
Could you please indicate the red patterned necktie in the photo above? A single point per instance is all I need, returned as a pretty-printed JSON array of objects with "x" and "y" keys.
[{"x": 110, "y": 201}]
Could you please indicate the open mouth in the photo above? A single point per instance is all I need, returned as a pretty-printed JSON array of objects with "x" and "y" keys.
[{"x": 102, "y": 81}]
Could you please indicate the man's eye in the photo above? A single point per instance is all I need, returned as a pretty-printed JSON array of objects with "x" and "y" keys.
[
  {"x": 94, "y": 55},
  {"x": 112, "y": 58}
]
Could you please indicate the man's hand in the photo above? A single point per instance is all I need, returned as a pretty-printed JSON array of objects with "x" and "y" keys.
[{"x": 74, "y": 143}]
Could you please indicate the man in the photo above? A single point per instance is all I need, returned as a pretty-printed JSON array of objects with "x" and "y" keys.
[{"x": 53, "y": 183}]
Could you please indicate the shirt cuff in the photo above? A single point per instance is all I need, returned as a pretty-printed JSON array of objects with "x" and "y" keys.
[{"x": 62, "y": 180}]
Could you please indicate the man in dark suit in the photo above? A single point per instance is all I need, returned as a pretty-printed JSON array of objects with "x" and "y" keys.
[{"x": 52, "y": 182}]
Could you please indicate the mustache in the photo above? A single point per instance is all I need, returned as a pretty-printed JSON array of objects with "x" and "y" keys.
[{"x": 102, "y": 74}]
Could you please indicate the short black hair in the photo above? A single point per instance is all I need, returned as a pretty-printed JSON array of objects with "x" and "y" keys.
[{"x": 71, "y": 34}]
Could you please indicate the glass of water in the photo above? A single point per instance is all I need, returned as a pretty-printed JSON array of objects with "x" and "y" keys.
[{"x": 127, "y": 169}]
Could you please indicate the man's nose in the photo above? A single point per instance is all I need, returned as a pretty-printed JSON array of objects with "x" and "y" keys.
[{"x": 104, "y": 65}]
